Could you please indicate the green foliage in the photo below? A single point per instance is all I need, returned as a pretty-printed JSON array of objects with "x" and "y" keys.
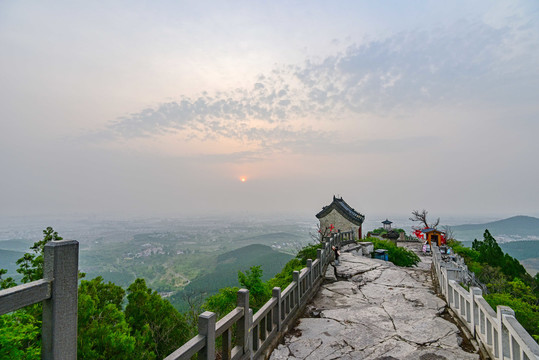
[
  {"x": 397, "y": 255},
  {"x": 7, "y": 282},
  {"x": 31, "y": 265},
  {"x": 381, "y": 231},
  {"x": 103, "y": 293},
  {"x": 309, "y": 252},
  {"x": 506, "y": 279},
  {"x": 148, "y": 314},
  {"x": 225, "y": 273},
  {"x": 20, "y": 336},
  {"x": 489, "y": 250},
  {"x": 258, "y": 292},
  {"x": 103, "y": 332},
  {"x": 526, "y": 314},
  {"x": 223, "y": 302},
  {"x": 155, "y": 328},
  {"x": 284, "y": 278},
  {"x": 21, "y": 331},
  {"x": 518, "y": 289}
]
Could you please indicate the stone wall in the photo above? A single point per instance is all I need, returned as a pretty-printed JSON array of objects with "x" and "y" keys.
[{"x": 339, "y": 222}]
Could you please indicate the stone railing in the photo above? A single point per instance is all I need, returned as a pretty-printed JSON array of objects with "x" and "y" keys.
[
  {"x": 256, "y": 335},
  {"x": 58, "y": 290},
  {"x": 498, "y": 332}
]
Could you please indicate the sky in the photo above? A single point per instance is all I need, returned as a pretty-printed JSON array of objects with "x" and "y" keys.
[{"x": 160, "y": 108}]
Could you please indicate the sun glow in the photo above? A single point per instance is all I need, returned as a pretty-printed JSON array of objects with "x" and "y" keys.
[{"x": 243, "y": 179}]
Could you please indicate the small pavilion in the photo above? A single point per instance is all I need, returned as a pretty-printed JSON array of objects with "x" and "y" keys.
[
  {"x": 434, "y": 235},
  {"x": 387, "y": 224}
]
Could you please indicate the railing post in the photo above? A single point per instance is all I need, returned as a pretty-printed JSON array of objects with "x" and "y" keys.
[
  {"x": 310, "y": 272},
  {"x": 59, "y": 322},
  {"x": 319, "y": 255},
  {"x": 503, "y": 334},
  {"x": 206, "y": 327},
  {"x": 243, "y": 324},
  {"x": 251, "y": 343},
  {"x": 295, "y": 277},
  {"x": 276, "y": 293},
  {"x": 474, "y": 292}
]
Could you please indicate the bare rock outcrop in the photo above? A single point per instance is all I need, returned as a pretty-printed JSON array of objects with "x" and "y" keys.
[{"x": 374, "y": 310}]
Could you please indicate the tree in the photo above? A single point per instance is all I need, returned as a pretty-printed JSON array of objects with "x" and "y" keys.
[
  {"x": 194, "y": 301},
  {"x": 322, "y": 234},
  {"x": 421, "y": 217},
  {"x": 252, "y": 281},
  {"x": 20, "y": 331},
  {"x": 103, "y": 332},
  {"x": 223, "y": 302},
  {"x": 147, "y": 312},
  {"x": 7, "y": 282},
  {"x": 449, "y": 234},
  {"x": 20, "y": 336},
  {"x": 31, "y": 265},
  {"x": 489, "y": 250}
]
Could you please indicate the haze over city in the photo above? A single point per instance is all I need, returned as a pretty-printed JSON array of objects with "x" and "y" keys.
[{"x": 192, "y": 107}]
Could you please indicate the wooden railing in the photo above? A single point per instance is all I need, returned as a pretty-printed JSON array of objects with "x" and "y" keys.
[
  {"x": 58, "y": 290},
  {"x": 256, "y": 335},
  {"x": 499, "y": 332}
]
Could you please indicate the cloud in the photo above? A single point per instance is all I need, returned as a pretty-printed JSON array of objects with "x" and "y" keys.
[{"x": 286, "y": 109}]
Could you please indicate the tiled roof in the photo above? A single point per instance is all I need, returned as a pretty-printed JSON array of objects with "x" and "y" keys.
[
  {"x": 387, "y": 222},
  {"x": 344, "y": 209},
  {"x": 432, "y": 230}
]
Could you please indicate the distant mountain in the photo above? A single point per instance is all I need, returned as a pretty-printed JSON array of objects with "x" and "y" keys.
[
  {"x": 521, "y": 225},
  {"x": 227, "y": 267},
  {"x": 511, "y": 229},
  {"x": 16, "y": 245},
  {"x": 272, "y": 238},
  {"x": 518, "y": 236}
]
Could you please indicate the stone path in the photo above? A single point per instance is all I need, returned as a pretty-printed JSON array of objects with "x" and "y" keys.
[{"x": 375, "y": 310}]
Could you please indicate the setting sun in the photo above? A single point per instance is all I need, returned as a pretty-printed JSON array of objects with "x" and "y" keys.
[{"x": 243, "y": 179}]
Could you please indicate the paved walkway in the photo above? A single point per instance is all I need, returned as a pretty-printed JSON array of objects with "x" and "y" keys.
[{"x": 375, "y": 310}]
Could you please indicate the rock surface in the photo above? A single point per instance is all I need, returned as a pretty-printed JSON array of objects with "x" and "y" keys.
[{"x": 374, "y": 310}]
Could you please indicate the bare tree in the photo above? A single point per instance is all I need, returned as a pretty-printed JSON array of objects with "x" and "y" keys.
[
  {"x": 194, "y": 300},
  {"x": 321, "y": 234},
  {"x": 421, "y": 216},
  {"x": 449, "y": 235}
]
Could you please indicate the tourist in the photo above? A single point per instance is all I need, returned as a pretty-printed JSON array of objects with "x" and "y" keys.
[{"x": 337, "y": 254}]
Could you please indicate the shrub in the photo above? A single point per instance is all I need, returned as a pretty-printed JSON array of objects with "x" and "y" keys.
[
  {"x": 397, "y": 255},
  {"x": 309, "y": 252},
  {"x": 526, "y": 314}
]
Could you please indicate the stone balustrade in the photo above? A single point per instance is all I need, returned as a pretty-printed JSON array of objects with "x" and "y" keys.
[
  {"x": 258, "y": 334},
  {"x": 498, "y": 332},
  {"x": 58, "y": 290},
  {"x": 242, "y": 335}
]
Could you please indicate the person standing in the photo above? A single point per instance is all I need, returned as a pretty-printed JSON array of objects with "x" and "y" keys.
[{"x": 337, "y": 254}]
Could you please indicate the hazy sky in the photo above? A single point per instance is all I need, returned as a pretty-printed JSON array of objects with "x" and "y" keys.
[{"x": 159, "y": 108}]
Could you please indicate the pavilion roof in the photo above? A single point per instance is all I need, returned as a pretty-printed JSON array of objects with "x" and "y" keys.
[{"x": 344, "y": 209}]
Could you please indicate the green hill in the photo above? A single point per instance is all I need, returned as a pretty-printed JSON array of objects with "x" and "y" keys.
[
  {"x": 227, "y": 266},
  {"x": 516, "y": 227},
  {"x": 522, "y": 250},
  {"x": 517, "y": 236}
]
